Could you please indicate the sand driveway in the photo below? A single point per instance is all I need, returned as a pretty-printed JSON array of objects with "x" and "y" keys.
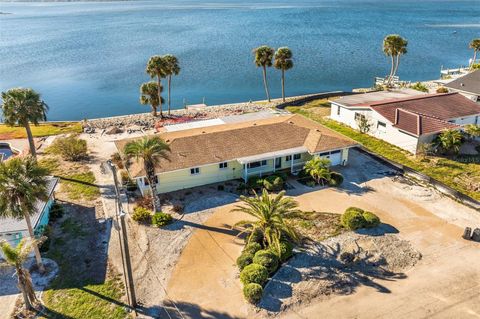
[{"x": 444, "y": 284}]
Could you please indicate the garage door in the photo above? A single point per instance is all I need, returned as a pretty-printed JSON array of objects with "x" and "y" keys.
[{"x": 335, "y": 157}]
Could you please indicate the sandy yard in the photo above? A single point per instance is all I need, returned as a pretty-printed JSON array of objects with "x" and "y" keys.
[{"x": 443, "y": 284}]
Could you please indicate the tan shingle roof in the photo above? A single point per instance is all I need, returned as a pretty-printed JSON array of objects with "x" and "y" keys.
[{"x": 219, "y": 143}]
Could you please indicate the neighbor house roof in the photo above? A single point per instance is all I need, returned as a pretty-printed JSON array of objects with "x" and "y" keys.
[
  {"x": 426, "y": 114},
  {"x": 468, "y": 83},
  {"x": 12, "y": 225},
  {"x": 220, "y": 143},
  {"x": 365, "y": 99}
]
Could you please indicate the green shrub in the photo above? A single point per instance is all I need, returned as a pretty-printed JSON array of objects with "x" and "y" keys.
[
  {"x": 419, "y": 86},
  {"x": 336, "y": 179},
  {"x": 56, "y": 212},
  {"x": 252, "y": 292},
  {"x": 353, "y": 218},
  {"x": 255, "y": 237},
  {"x": 254, "y": 273},
  {"x": 442, "y": 89},
  {"x": 161, "y": 219},
  {"x": 371, "y": 220},
  {"x": 255, "y": 182},
  {"x": 273, "y": 183},
  {"x": 252, "y": 247},
  {"x": 44, "y": 230},
  {"x": 267, "y": 259},
  {"x": 142, "y": 215},
  {"x": 70, "y": 148},
  {"x": 286, "y": 251},
  {"x": 245, "y": 259}
]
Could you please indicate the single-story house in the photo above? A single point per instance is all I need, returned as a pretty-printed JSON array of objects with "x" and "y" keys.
[
  {"x": 13, "y": 230},
  {"x": 467, "y": 85},
  {"x": 239, "y": 150},
  {"x": 406, "y": 121}
]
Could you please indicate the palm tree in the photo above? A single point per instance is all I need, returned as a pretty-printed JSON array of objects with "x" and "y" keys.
[
  {"x": 318, "y": 169},
  {"x": 283, "y": 61},
  {"x": 156, "y": 67},
  {"x": 475, "y": 45},
  {"x": 450, "y": 140},
  {"x": 272, "y": 215},
  {"x": 16, "y": 256},
  {"x": 172, "y": 68},
  {"x": 149, "y": 95},
  {"x": 394, "y": 46},
  {"x": 150, "y": 150},
  {"x": 21, "y": 106},
  {"x": 263, "y": 58},
  {"x": 22, "y": 183}
]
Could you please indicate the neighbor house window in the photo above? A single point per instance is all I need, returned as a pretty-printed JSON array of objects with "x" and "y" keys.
[
  {"x": 288, "y": 158},
  {"x": 195, "y": 170},
  {"x": 223, "y": 165},
  {"x": 297, "y": 156},
  {"x": 359, "y": 116},
  {"x": 257, "y": 164},
  {"x": 382, "y": 127},
  {"x": 338, "y": 110}
]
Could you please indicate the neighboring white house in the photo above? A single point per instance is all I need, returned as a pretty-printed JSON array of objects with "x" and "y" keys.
[
  {"x": 239, "y": 150},
  {"x": 406, "y": 118},
  {"x": 467, "y": 85}
]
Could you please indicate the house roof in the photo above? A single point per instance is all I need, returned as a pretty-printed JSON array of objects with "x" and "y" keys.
[
  {"x": 12, "y": 225},
  {"x": 365, "y": 99},
  {"x": 468, "y": 83},
  {"x": 220, "y": 143},
  {"x": 426, "y": 114}
]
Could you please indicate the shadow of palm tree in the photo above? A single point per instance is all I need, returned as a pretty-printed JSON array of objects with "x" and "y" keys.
[{"x": 179, "y": 310}]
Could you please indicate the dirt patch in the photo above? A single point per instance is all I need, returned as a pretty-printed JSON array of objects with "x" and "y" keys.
[
  {"x": 317, "y": 226},
  {"x": 337, "y": 266}
]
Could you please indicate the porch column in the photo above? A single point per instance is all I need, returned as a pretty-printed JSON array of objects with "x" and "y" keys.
[
  {"x": 274, "y": 163},
  {"x": 246, "y": 172},
  {"x": 291, "y": 164}
]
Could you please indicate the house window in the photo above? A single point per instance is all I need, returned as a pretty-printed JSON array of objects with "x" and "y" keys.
[
  {"x": 288, "y": 158},
  {"x": 382, "y": 127},
  {"x": 297, "y": 156},
  {"x": 155, "y": 180},
  {"x": 338, "y": 110},
  {"x": 359, "y": 116},
  {"x": 335, "y": 152},
  {"x": 257, "y": 164},
  {"x": 195, "y": 171},
  {"x": 223, "y": 165},
  {"x": 324, "y": 154}
]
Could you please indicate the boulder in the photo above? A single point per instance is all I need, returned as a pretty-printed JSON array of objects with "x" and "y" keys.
[
  {"x": 114, "y": 130},
  {"x": 476, "y": 235},
  {"x": 467, "y": 233}
]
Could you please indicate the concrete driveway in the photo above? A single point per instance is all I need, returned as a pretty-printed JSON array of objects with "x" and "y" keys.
[{"x": 444, "y": 284}]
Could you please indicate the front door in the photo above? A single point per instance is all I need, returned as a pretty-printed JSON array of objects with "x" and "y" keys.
[{"x": 278, "y": 162}]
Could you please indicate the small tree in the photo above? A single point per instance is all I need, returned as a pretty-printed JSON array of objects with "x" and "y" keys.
[
  {"x": 419, "y": 86},
  {"x": 450, "y": 140},
  {"x": 472, "y": 130},
  {"x": 318, "y": 169},
  {"x": 16, "y": 256},
  {"x": 364, "y": 124}
]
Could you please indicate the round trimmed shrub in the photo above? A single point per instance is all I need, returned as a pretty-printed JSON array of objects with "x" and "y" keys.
[
  {"x": 267, "y": 259},
  {"x": 142, "y": 215},
  {"x": 161, "y": 219},
  {"x": 255, "y": 182},
  {"x": 353, "y": 218},
  {"x": 252, "y": 247},
  {"x": 254, "y": 273},
  {"x": 371, "y": 220},
  {"x": 253, "y": 292},
  {"x": 245, "y": 259},
  {"x": 286, "y": 251},
  {"x": 256, "y": 236},
  {"x": 336, "y": 179},
  {"x": 273, "y": 183}
]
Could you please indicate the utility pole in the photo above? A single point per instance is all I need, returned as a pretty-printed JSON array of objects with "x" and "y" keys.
[{"x": 127, "y": 265}]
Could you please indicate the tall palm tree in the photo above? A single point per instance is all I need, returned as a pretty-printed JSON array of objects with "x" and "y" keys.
[
  {"x": 271, "y": 214},
  {"x": 450, "y": 140},
  {"x": 22, "y": 183},
  {"x": 284, "y": 62},
  {"x": 475, "y": 45},
  {"x": 150, "y": 150},
  {"x": 16, "y": 256},
  {"x": 157, "y": 67},
  {"x": 149, "y": 95},
  {"x": 263, "y": 58},
  {"x": 394, "y": 46},
  {"x": 21, "y": 106},
  {"x": 172, "y": 68},
  {"x": 318, "y": 169}
]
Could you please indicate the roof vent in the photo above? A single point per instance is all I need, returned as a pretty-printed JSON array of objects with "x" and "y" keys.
[
  {"x": 317, "y": 130},
  {"x": 291, "y": 122},
  {"x": 167, "y": 141},
  {"x": 203, "y": 132},
  {"x": 254, "y": 124},
  {"x": 461, "y": 84}
]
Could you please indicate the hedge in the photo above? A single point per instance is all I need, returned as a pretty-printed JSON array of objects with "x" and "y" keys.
[
  {"x": 253, "y": 292},
  {"x": 161, "y": 219},
  {"x": 254, "y": 273},
  {"x": 245, "y": 259},
  {"x": 142, "y": 215},
  {"x": 268, "y": 259}
]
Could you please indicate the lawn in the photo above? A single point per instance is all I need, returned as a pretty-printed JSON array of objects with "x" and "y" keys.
[
  {"x": 463, "y": 177},
  {"x": 43, "y": 129}
]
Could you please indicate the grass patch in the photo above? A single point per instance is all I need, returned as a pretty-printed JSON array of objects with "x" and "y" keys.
[
  {"x": 50, "y": 163},
  {"x": 463, "y": 177},
  {"x": 80, "y": 186},
  {"x": 318, "y": 226},
  {"x": 43, "y": 129}
]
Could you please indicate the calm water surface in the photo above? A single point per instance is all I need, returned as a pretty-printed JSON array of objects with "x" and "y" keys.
[{"x": 88, "y": 58}]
